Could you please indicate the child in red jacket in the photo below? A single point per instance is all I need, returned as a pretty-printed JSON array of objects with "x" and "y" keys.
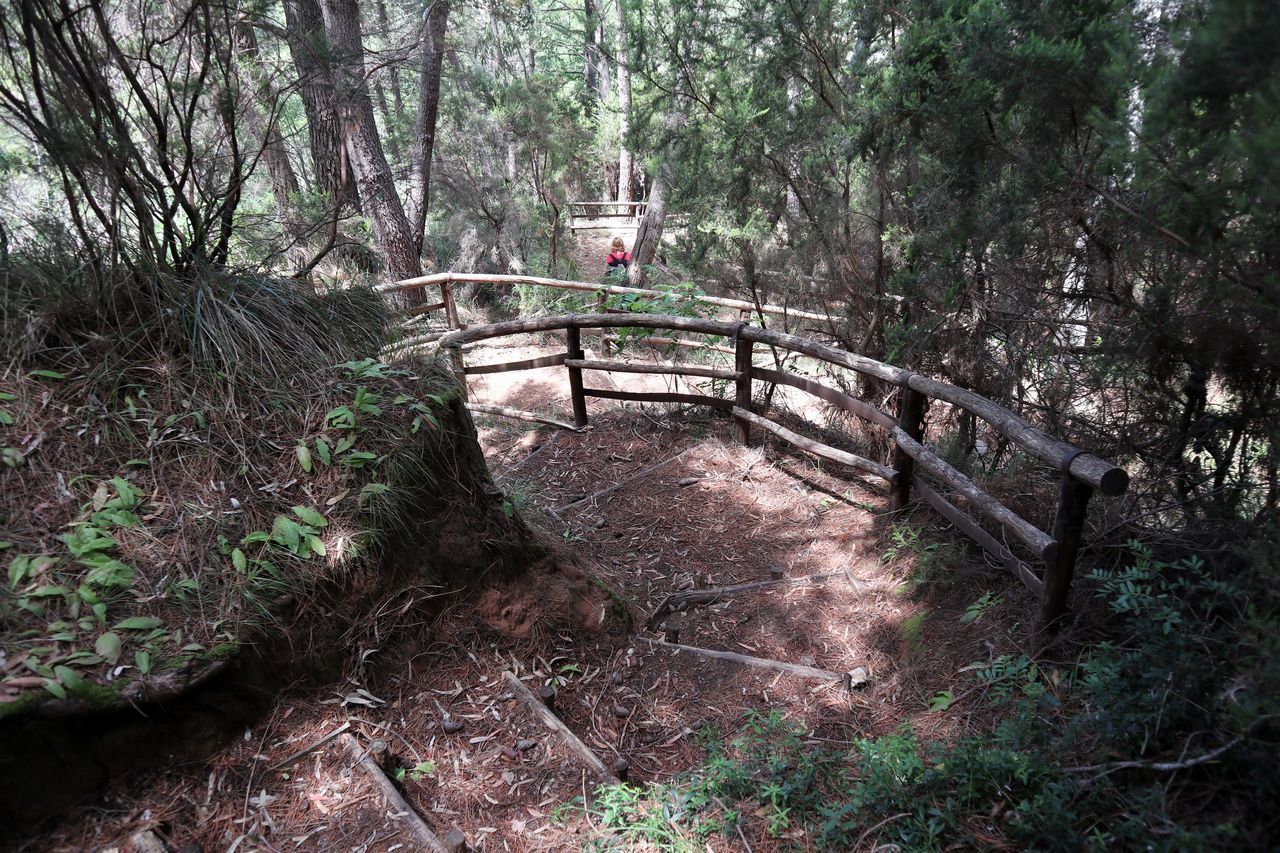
[{"x": 619, "y": 256}]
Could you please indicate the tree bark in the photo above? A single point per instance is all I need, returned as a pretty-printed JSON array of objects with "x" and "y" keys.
[
  {"x": 625, "y": 158},
  {"x": 589, "y": 78},
  {"x": 649, "y": 234},
  {"x": 434, "y": 25},
  {"x": 595, "y": 66},
  {"x": 309, "y": 47},
  {"x": 397, "y": 99},
  {"x": 363, "y": 145},
  {"x": 274, "y": 155}
]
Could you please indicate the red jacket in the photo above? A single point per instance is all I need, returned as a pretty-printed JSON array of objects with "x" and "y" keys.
[{"x": 619, "y": 259}]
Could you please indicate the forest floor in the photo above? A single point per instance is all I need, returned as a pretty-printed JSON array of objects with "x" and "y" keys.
[{"x": 692, "y": 508}]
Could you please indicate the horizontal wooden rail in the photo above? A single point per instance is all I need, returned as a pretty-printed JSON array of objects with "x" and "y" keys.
[
  {"x": 1108, "y": 478},
  {"x": 507, "y": 366},
  {"x": 588, "y": 287},
  {"x": 839, "y": 399},
  {"x": 989, "y": 543},
  {"x": 1040, "y": 543},
  {"x": 659, "y": 342},
  {"x": 827, "y": 353},
  {"x": 695, "y": 325},
  {"x": 633, "y": 367},
  {"x": 609, "y": 203},
  {"x": 660, "y": 397},
  {"x": 1086, "y": 467},
  {"x": 825, "y": 451},
  {"x": 1081, "y": 472},
  {"x": 424, "y": 309}
]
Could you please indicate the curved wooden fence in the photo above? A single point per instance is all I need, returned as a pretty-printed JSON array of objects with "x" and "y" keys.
[
  {"x": 1081, "y": 472},
  {"x": 446, "y": 280}
]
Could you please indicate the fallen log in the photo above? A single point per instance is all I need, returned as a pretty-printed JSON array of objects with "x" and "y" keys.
[
  {"x": 747, "y": 660},
  {"x": 519, "y": 415},
  {"x": 711, "y": 595},
  {"x": 552, "y": 722},
  {"x": 413, "y": 821}
]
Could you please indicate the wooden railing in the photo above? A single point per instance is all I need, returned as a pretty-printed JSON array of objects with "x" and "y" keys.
[
  {"x": 625, "y": 211},
  {"x": 446, "y": 280},
  {"x": 1081, "y": 473}
]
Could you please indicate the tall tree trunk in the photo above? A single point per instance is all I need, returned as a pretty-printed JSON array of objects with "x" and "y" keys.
[
  {"x": 397, "y": 99},
  {"x": 625, "y": 158},
  {"x": 309, "y": 47},
  {"x": 363, "y": 145},
  {"x": 590, "y": 69},
  {"x": 274, "y": 155},
  {"x": 793, "y": 159},
  {"x": 649, "y": 234},
  {"x": 434, "y": 25}
]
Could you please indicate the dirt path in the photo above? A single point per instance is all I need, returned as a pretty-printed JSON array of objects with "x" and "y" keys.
[
  {"x": 590, "y": 247},
  {"x": 694, "y": 509}
]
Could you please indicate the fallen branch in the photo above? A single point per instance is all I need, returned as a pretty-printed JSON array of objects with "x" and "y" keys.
[
  {"x": 413, "y": 821},
  {"x": 858, "y": 586},
  {"x": 611, "y": 489},
  {"x": 310, "y": 749},
  {"x": 747, "y": 660},
  {"x": 1159, "y": 766},
  {"x": 519, "y": 415},
  {"x": 716, "y": 593},
  {"x": 552, "y": 722}
]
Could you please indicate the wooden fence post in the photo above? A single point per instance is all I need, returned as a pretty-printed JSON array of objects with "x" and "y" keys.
[
  {"x": 455, "y": 362},
  {"x": 575, "y": 377},
  {"x": 602, "y": 307},
  {"x": 742, "y": 364},
  {"x": 1068, "y": 525},
  {"x": 450, "y": 307},
  {"x": 911, "y": 419}
]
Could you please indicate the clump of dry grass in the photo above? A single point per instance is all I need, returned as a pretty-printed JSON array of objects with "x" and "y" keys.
[{"x": 181, "y": 460}]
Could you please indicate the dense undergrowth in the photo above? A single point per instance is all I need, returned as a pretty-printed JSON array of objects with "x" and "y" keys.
[
  {"x": 1162, "y": 735},
  {"x": 184, "y": 461}
]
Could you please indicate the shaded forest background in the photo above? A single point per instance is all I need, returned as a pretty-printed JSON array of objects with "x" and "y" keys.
[{"x": 1067, "y": 207}]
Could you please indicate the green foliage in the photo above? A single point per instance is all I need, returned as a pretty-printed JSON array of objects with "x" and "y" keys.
[
  {"x": 1044, "y": 777},
  {"x": 974, "y": 612},
  {"x": 768, "y": 763},
  {"x": 928, "y": 560}
]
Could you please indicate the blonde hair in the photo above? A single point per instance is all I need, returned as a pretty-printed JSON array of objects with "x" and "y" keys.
[{"x": 617, "y": 245}]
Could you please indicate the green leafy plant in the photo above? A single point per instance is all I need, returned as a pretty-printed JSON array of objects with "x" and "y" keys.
[
  {"x": 975, "y": 611},
  {"x": 418, "y": 772}
]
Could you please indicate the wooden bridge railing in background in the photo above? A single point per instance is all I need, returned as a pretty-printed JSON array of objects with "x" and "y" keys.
[
  {"x": 623, "y": 212},
  {"x": 1081, "y": 472}
]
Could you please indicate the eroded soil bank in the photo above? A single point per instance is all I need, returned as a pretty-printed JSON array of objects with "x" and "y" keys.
[{"x": 55, "y": 751}]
